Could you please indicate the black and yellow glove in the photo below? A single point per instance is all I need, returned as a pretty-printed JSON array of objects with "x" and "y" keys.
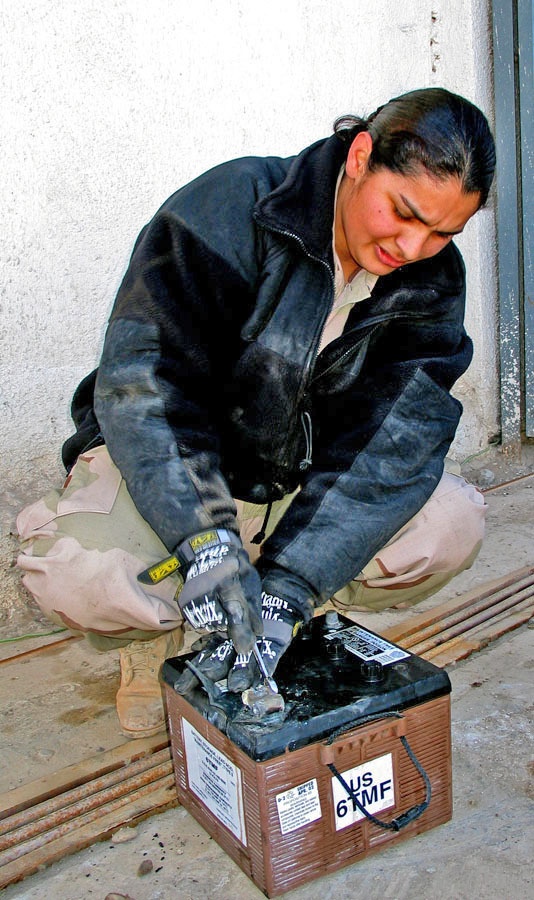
[{"x": 221, "y": 589}]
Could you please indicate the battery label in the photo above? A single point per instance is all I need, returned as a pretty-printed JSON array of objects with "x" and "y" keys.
[
  {"x": 215, "y": 780},
  {"x": 365, "y": 645},
  {"x": 298, "y": 806},
  {"x": 371, "y": 784}
]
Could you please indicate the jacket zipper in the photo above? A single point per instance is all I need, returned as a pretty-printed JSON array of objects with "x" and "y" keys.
[
  {"x": 321, "y": 262},
  {"x": 305, "y": 417},
  {"x": 306, "y": 420}
]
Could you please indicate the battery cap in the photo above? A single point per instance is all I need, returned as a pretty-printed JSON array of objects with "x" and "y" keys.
[
  {"x": 332, "y": 622},
  {"x": 372, "y": 671}
]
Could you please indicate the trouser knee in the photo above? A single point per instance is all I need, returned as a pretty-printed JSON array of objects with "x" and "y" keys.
[
  {"x": 82, "y": 548},
  {"x": 439, "y": 542}
]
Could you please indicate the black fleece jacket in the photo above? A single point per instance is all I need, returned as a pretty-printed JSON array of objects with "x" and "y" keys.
[{"x": 210, "y": 384}]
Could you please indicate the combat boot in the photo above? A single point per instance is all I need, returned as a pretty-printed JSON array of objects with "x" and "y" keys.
[{"x": 140, "y": 697}]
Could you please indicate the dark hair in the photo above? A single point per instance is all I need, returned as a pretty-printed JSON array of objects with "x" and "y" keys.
[{"x": 433, "y": 128}]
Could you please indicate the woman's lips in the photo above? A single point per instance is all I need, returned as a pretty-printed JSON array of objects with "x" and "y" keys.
[{"x": 388, "y": 260}]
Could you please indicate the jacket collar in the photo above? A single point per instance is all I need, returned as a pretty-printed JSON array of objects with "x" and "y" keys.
[{"x": 302, "y": 206}]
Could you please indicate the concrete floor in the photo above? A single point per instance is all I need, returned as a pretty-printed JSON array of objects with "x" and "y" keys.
[{"x": 60, "y": 711}]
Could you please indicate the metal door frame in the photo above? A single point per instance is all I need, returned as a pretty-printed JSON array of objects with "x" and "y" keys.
[{"x": 513, "y": 28}]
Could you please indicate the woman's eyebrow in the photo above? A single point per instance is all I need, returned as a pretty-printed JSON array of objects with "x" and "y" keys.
[{"x": 420, "y": 217}]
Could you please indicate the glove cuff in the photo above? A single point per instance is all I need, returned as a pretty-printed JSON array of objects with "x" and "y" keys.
[
  {"x": 187, "y": 551},
  {"x": 279, "y": 582},
  {"x": 281, "y": 619}
]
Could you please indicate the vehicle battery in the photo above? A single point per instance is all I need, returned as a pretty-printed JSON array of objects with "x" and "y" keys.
[{"x": 267, "y": 789}]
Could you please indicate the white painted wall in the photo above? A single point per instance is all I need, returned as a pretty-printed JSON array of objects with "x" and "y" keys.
[{"x": 110, "y": 105}]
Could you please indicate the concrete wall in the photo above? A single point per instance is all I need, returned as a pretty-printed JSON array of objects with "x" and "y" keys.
[{"x": 109, "y": 105}]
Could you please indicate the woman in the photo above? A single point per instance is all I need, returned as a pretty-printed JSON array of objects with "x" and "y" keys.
[{"x": 285, "y": 337}]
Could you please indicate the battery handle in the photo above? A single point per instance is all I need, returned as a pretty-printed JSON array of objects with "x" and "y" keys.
[{"x": 358, "y": 736}]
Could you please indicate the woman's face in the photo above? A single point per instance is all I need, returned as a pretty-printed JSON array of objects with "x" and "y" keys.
[{"x": 385, "y": 220}]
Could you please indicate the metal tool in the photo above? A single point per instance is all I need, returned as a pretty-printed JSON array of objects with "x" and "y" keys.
[{"x": 267, "y": 679}]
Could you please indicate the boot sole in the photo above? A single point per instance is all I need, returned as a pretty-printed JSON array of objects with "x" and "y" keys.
[{"x": 147, "y": 732}]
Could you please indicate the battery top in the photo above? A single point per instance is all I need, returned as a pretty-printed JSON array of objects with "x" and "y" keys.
[{"x": 335, "y": 675}]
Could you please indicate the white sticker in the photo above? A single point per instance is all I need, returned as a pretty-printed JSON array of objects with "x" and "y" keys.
[
  {"x": 371, "y": 784},
  {"x": 215, "y": 780},
  {"x": 299, "y": 806},
  {"x": 367, "y": 646}
]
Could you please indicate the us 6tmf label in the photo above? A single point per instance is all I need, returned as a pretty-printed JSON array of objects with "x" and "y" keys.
[{"x": 372, "y": 785}]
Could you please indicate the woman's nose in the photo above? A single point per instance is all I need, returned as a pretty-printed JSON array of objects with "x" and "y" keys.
[{"x": 412, "y": 240}]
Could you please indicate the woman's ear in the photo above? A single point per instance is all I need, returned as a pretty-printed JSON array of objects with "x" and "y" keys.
[{"x": 358, "y": 155}]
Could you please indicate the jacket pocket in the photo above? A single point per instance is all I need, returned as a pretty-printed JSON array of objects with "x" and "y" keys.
[{"x": 337, "y": 370}]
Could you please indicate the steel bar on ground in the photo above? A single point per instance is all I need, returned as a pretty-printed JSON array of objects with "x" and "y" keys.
[
  {"x": 461, "y": 647},
  {"x": 410, "y": 630},
  {"x": 68, "y": 806},
  {"x": 136, "y": 786},
  {"x": 52, "y": 645},
  {"x": 454, "y": 627},
  {"x": 140, "y": 807},
  {"x": 55, "y": 783}
]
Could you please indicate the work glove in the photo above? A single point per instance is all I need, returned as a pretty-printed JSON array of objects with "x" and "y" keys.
[
  {"x": 281, "y": 621},
  {"x": 221, "y": 590},
  {"x": 215, "y": 660},
  {"x": 218, "y": 659}
]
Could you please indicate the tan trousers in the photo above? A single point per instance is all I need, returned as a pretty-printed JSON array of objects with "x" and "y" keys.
[{"x": 83, "y": 546}]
